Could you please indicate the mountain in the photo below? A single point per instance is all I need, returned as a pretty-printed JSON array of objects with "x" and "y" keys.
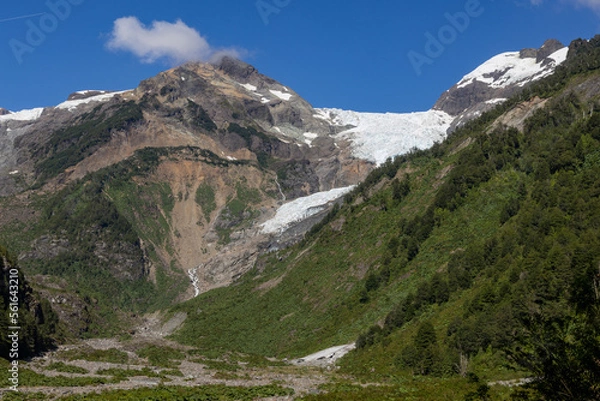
[
  {"x": 213, "y": 201},
  {"x": 191, "y": 176},
  {"x": 452, "y": 269}
]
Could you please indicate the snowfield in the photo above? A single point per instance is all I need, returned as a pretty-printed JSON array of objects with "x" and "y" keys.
[
  {"x": 376, "y": 136},
  {"x": 513, "y": 70},
  {"x": 301, "y": 208},
  {"x": 23, "y": 115},
  {"x": 73, "y": 104}
]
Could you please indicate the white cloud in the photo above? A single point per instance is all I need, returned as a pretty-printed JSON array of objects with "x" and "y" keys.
[
  {"x": 594, "y": 4},
  {"x": 175, "y": 42}
]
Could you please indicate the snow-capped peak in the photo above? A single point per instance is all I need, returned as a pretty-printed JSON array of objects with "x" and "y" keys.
[{"x": 511, "y": 68}]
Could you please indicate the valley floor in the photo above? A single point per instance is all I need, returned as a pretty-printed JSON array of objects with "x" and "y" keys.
[
  {"x": 101, "y": 365},
  {"x": 100, "y": 368}
]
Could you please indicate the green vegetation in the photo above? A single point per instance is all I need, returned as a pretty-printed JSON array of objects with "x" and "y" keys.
[
  {"x": 64, "y": 368},
  {"x": 238, "y": 212},
  {"x": 33, "y": 379},
  {"x": 256, "y": 140},
  {"x": 22, "y": 307},
  {"x": 199, "y": 118},
  {"x": 205, "y": 197},
  {"x": 418, "y": 388},
  {"x": 166, "y": 357},
  {"x": 215, "y": 392},
  {"x": 69, "y": 146}
]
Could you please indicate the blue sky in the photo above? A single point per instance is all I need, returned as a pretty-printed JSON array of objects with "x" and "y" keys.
[{"x": 350, "y": 54}]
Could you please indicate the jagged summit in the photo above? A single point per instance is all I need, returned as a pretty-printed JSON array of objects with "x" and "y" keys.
[
  {"x": 548, "y": 48},
  {"x": 3, "y": 112}
]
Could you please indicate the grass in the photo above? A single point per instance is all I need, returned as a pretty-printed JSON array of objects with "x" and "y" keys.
[
  {"x": 212, "y": 392},
  {"x": 161, "y": 356},
  {"x": 418, "y": 389},
  {"x": 205, "y": 197},
  {"x": 64, "y": 368}
]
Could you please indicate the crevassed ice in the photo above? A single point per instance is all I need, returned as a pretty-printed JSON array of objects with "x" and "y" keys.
[{"x": 377, "y": 137}]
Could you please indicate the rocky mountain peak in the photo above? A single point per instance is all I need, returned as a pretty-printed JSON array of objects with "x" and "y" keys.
[
  {"x": 4, "y": 112},
  {"x": 251, "y": 98},
  {"x": 236, "y": 69},
  {"x": 549, "y": 47}
]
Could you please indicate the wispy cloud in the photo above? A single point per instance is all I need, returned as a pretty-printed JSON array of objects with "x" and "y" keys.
[
  {"x": 172, "y": 42},
  {"x": 593, "y": 4},
  {"x": 20, "y": 17}
]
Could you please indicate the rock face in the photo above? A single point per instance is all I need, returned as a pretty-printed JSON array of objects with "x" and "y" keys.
[
  {"x": 498, "y": 79},
  {"x": 3, "y": 112}
]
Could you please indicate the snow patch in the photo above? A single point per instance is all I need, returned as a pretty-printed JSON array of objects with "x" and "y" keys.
[
  {"x": 329, "y": 116},
  {"x": 86, "y": 92},
  {"x": 23, "y": 115},
  {"x": 377, "y": 137},
  {"x": 309, "y": 137},
  {"x": 249, "y": 87},
  {"x": 264, "y": 100},
  {"x": 73, "y": 104},
  {"x": 14, "y": 172},
  {"x": 560, "y": 56},
  {"x": 326, "y": 357},
  {"x": 496, "y": 101},
  {"x": 281, "y": 95},
  {"x": 302, "y": 208}
]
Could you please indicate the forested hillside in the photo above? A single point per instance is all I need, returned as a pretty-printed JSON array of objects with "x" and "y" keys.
[
  {"x": 478, "y": 257},
  {"x": 25, "y": 312}
]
